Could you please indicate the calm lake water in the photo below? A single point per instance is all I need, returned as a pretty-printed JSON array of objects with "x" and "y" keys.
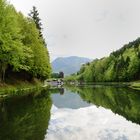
[{"x": 73, "y": 113}]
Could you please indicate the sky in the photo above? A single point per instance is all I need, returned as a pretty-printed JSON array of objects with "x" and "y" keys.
[{"x": 87, "y": 28}]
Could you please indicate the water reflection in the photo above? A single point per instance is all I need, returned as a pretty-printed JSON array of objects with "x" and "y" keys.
[
  {"x": 26, "y": 118},
  {"x": 90, "y": 123},
  {"x": 113, "y": 115},
  {"x": 68, "y": 100},
  {"x": 123, "y": 101},
  {"x": 78, "y": 113}
]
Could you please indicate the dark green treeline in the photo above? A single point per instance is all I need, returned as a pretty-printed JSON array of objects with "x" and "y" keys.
[
  {"x": 121, "y": 65},
  {"x": 22, "y": 48}
]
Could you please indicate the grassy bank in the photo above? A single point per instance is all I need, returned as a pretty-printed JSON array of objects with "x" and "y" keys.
[
  {"x": 98, "y": 83},
  {"x": 135, "y": 85},
  {"x": 21, "y": 89}
]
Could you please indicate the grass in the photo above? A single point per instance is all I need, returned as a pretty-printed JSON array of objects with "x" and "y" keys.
[
  {"x": 21, "y": 88},
  {"x": 135, "y": 85}
]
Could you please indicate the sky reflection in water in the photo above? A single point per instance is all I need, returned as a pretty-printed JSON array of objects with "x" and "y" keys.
[{"x": 90, "y": 123}]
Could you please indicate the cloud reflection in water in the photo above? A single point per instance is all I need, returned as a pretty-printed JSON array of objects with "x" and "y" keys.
[{"x": 90, "y": 123}]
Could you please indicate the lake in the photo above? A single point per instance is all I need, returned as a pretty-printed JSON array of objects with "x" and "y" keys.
[{"x": 73, "y": 113}]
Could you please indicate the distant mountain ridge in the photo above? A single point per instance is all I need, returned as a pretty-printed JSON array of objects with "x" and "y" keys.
[{"x": 68, "y": 65}]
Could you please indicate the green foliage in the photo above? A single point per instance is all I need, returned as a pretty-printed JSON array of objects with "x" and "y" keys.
[
  {"x": 35, "y": 16},
  {"x": 135, "y": 85},
  {"x": 25, "y": 118},
  {"x": 21, "y": 47},
  {"x": 122, "y": 65},
  {"x": 57, "y": 75},
  {"x": 70, "y": 78},
  {"x": 122, "y": 101}
]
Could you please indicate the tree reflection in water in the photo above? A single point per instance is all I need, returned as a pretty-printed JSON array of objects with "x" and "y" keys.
[{"x": 26, "y": 118}]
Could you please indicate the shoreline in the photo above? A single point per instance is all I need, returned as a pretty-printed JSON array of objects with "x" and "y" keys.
[
  {"x": 34, "y": 89},
  {"x": 21, "y": 90},
  {"x": 133, "y": 85}
]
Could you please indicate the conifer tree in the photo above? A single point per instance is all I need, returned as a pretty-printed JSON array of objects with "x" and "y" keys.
[{"x": 34, "y": 14}]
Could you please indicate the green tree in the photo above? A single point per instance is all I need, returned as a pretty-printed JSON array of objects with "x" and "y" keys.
[
  {"x": 34, "y": 14},
  {"x": 121, "y": 65},
  {"x": 21, "y": 47},
  {"x": 11, "y": 47}
]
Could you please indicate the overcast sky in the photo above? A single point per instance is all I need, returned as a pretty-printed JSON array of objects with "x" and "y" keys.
[{"x": 88, "y": 28}]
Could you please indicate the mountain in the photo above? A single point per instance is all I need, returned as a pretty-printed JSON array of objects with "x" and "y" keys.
[
  {"x": 68, "y": 65},
  {"x": 121, "y": 66}
]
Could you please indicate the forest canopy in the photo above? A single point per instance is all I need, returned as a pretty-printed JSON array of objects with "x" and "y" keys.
[
  {"x": 121, "y": 66},
  {"x": 22, "y": 47}
]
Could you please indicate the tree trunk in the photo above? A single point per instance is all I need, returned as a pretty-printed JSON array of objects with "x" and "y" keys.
[
  {"x": 3, "y": 75},
  {"x": 0, "y": 73},
  {"x": 0, "y": 77},
  {"x": 3, "y": 70}
]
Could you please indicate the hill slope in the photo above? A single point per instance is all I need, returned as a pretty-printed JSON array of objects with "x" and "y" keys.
[
  {"x": 121, "y": 65},
  {"x": 68, "y": 65}
]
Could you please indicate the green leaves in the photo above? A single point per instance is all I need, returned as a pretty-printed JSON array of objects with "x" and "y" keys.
[
  {"x": 21, "y": 46},
  {"x": 122, "y": 65}
]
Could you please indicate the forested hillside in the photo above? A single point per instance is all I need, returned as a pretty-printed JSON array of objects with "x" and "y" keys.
[
  {"x": 121, "y": 65},
  {"x": 23, "y": 51}
]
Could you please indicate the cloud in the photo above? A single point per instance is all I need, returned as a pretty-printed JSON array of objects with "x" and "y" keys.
[{"x": 89, "y": 28}]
